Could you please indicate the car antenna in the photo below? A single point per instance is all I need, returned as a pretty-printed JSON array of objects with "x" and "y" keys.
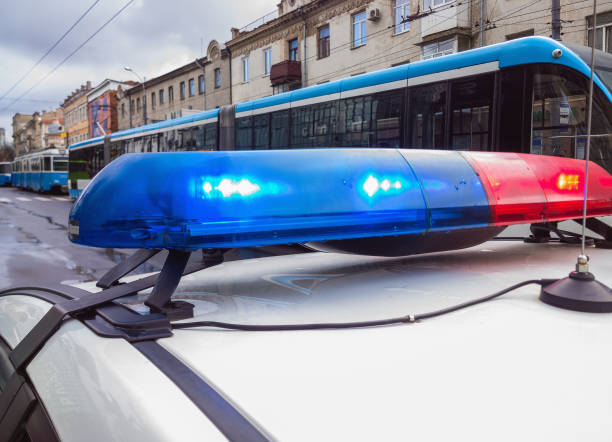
[{"x": 580, "y": 291}]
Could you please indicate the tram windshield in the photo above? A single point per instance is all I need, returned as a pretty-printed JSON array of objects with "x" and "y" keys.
[
  {"x": 60, "y": 165},
  {"x": 5, "y": 167}
]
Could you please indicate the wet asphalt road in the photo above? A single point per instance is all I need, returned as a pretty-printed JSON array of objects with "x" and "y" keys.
[{"x": 34, "y": 243}]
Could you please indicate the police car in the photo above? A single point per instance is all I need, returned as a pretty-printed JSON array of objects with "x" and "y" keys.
[{"x": 390, "y": 306}]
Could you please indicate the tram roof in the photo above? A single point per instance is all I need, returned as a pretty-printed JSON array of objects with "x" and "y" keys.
[{"x": 46, "y": 152}]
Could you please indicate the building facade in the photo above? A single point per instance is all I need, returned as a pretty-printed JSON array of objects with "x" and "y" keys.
[
  {"x": 308, "y": 42},
  {"x": 75, "y": 113},
  {"x": 200, "y": 85},
  {"x": 102, "y": 107},
  {"x": 37, "y": 131}
]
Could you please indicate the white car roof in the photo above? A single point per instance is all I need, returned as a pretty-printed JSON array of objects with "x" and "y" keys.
[{"x": 510, "y": 368}]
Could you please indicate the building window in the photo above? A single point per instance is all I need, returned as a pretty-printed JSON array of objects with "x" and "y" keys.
[
  {"x": 218, "y": 77},
  {"x": 170, "y": 94},
  {"x": 132, "y": 106},
  {"x": 191, "y": 87},
  {"x": 603, "y": 32},
  {"x": 162, "y": 96},
  {"x": 359, "y": 29},
  {"x": 123, "y": 110},
  {"x": 267, "y": 61},
  {"x": 137, "y": 104},
  {"x": 182, "y": 90},
  {"x": 153, "y": 100},
  {"x": 323, "y": 42},
  {"x": 438, "y": 49},
  {"x": 434, "y": 3},
  {"x": 293, "y": 49},
  {"x": 201, "y": 84},
  {"x": 402, "y": 10},
  {"x": 245, "y": 69}
]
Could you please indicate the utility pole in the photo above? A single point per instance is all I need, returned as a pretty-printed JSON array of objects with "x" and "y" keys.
[
  {"x": 556, "y": 19},
  {"x": 482, "y": 24}
]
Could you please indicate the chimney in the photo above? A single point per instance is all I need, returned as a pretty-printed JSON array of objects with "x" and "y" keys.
[
  {"x": 235, "y": 33},
  {"x": 88, "y": 84}
]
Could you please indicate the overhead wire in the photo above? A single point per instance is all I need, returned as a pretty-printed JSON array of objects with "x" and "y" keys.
[
  {"x": 106, "y": 23},
  {"x": 50, "y": 49}
]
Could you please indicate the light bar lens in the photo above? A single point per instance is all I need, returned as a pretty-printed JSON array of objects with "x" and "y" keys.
[{"x": 193, "y": 200}]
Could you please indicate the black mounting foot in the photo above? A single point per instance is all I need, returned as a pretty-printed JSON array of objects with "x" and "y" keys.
[{"x": 579, "y": 292}]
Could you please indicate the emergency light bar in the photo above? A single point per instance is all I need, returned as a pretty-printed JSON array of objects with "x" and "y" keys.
[{"x": 228, "y": 199}]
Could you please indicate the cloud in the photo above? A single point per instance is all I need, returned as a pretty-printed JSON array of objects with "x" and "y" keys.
[{"x": 151, "y": 36}]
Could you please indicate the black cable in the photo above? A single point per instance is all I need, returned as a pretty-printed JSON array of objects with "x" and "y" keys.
[
  {"x": 50, "y": 49},
  {"x": 69, "y": 55},
  {"x": 358, "y": 324}
]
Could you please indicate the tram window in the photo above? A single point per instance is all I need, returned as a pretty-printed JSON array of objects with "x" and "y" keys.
[
  {"x": 279, "y": 133},
  {"x": 98, "y": 158},
  {"x": 559, "y": 114},
  {"x": 155, "y": 143},
  {"x": 171, "y": 141},
  {"x": 427, "y": 116},
  {"x": 188, "y": 139},
  {"x": 115, "y": 150},
  {"x": 211, "y": 136},
  {"x": 313, "y": 126},
  {"x": 301, "y": 126},
  {"x": 471, "y": 101},
  {"x": 244, "y": 133},
  {"x": 386, "y": 117},
  {"x": 163, "y": 142},
  {"x": 261, "y": 131},
  {"x": 60, "y": 165},
  {"x": 354, "y": 122},
  {"x": 199, "y": 136},
  {"x": 324, "y": 124},
  {"x": 47, "y": 164},
  {"x": 138, "y": 145},
  {"x": 35, "y": 164}
]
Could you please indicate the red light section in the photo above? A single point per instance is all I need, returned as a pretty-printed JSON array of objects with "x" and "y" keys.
[
  {"x": 514, "y": 193},
  {"x": 562, "y": 180},
  {"x": 524, "y": 188}
]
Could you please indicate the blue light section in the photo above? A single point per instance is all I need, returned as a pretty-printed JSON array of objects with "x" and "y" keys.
[
  {"x": 192, "y": 200},
  {"x": 454, "y": 194}
]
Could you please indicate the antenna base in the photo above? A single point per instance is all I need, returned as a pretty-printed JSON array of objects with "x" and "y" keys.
[{"x": 580, "y": 292}]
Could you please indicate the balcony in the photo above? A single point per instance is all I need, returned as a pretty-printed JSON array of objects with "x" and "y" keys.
[
  {"x": 446, "y": 19},
  {"x": 288, "y": 71}
]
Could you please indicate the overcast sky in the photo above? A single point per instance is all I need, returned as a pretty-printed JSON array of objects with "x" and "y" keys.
[{"x": 151, "y": 36}]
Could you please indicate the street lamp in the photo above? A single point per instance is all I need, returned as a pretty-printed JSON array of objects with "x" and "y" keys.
[{"x": 144, "y": 94}]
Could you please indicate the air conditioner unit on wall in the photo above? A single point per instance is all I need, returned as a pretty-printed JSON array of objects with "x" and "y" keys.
[{"x": 374, "y": 14}]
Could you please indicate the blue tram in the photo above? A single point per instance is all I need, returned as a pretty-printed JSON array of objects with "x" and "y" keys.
[
  {"x": 5, "y": 173},
  {"x": 42, "y": 171},
  {"x": 525, "y": 96}
]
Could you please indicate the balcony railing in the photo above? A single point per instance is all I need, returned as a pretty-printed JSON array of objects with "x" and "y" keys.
[{"x": 260, "y": 21}]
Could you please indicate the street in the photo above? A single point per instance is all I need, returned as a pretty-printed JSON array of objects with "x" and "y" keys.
[{"x": 35, "y": 246}]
